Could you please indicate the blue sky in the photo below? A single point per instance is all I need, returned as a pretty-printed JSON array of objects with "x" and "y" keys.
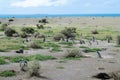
[{"x": 59, "y": 6}]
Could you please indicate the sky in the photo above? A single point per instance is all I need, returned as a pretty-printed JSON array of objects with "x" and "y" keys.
[{"x": 59, "y": 6}]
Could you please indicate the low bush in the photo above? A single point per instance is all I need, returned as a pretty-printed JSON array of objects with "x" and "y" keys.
[
  {"x": 28, "y": 30},
  {"x": 11, "y": 20},
  {"x": 43, "y": 21},
  {"x": 40, "y": 26},
  {"x": 9, "y": 32},
  {"x": 95, "y": 32},
  {"x": 73, "y": 53},
  {"x": 3, "y": 27},
  {"x": 23, "y": 35},
  {"x": 8, "y": 73},
  {"x": 69, "y": 33},
  {"x": 33, "y": 68}
]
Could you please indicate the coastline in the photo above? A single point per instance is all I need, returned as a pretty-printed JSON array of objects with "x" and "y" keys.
[{"x": 55, "y": 15}]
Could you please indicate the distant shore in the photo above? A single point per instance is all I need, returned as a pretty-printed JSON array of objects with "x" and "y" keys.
[{"x": 55, "y": 15}]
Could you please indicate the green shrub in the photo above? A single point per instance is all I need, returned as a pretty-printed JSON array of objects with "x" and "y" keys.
[
  {"x": 8, "y": 73},
  {"x": 2, "y": 61},
  {"x": 3, "y": 27},
  {"x": 69, "y": 33},
  {"x": 9, "y": 32},
  {"x": 95, "y": 32},
  {"x": 28, "y": 30},
  {"x": 73, "y": 53},
  {"x": 40, "y": 26},
  {"x": 33, "y": 68},
  {"x": 24, "y": 35},
  {"x": 11, "y": 20},
  {"x": 43, "y": 21}
]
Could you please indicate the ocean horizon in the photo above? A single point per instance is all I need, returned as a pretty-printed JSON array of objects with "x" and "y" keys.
[{"x": 55, "y": 15}]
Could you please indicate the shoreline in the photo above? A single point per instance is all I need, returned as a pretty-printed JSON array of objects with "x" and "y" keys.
[{"x": 55, "y": 15}]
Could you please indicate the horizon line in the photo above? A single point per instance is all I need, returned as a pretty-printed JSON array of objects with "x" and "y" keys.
[{"x": 62, "y": 14}]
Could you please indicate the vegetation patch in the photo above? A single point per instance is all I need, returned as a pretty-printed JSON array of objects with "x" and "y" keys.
[
  {"x": 8, "y": 73},
  {"x": 56, "y": 49},
  {"x": 83, "y": 47},
  {"x": 60, "y": 67},
  {"x": 73, "y": 54},
  {"x": 40, "y": 57},
  {"x": 16, "y": 59},
  {"x": 28, "y": 30},
  {"x": 49, "y": 44},
  {"x": 67, "y": 43},
  {"x": 91, "y": 50},
  {"x": 35, "y": 45},
  {"x": 69, "y": 47},
  {"x": 72, "y": 58},
  {"x": 2, "y": 61},
  {"x": 62, "y": 61},
  {"x": 117, "y": 46},
  {"x": 8, "y": 43}
]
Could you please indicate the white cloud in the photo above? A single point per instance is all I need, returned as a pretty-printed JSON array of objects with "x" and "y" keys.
[{"x": 36, "y": 3}]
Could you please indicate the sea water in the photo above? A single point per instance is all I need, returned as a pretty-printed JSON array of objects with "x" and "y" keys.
[{"x": 56, "y": 15}]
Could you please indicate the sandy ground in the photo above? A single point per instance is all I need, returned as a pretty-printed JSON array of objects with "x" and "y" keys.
[
  {"x": 82, "y": 69},
  {"x": 68, "y": 21}
]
